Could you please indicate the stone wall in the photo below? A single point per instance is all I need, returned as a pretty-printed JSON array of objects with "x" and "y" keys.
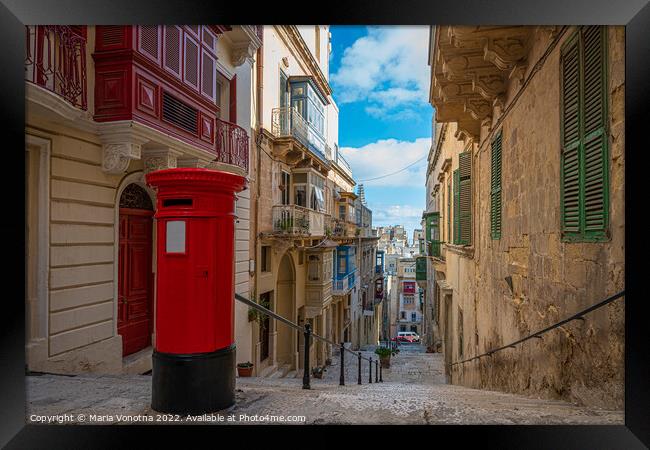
[{"x": 583, "y": 360}]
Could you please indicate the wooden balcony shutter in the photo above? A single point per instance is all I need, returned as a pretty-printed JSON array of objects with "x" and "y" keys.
[
  {"x": 456, "y": 234},
  {"x": 191, "y": 62},
  {"x": 208, "y": 75},
  {"x": 465, "y": 198},
  {"x": 584, "y": 163},
  {"x": 495, "y": 188},
  {"x": 149, "y": 41},
  {"x": 172, "y": 50}
]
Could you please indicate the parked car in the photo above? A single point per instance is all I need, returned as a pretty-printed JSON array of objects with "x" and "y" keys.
[{"x": 407, "y": 336}]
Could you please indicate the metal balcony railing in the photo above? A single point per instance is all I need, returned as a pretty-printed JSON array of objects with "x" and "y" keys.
[
  {"x": 297, "y": 220},
  {"x": 232, "y": 144},
  {"x": 344, "y": 284},
  {"x": 342, "y": 162},
  {"x": 287, "y": 122},
  {"x": 56, "y": 60}
]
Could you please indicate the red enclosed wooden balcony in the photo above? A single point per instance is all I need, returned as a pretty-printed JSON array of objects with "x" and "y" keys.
[
  {"x": 165, "y": 77},
  {"x": 56, "y": 60}
]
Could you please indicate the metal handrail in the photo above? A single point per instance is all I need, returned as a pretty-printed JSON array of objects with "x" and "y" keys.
[
  {"x": 576, "y": 316},
  {"x": 284, "y": 320}
]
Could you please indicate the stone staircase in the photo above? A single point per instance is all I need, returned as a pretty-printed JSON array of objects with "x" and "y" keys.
[{"x": 275, "y": 371}]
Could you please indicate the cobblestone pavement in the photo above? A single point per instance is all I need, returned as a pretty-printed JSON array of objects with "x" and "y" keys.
[{"x": 413, "y": 392}]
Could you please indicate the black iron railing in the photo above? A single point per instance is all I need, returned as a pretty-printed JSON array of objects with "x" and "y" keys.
[
  {"x": 308, "y": 333},
  {"x": 538, "y": 334}
]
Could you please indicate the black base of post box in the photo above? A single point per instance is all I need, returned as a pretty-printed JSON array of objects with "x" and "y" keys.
[{"x": 193, "y": 384}]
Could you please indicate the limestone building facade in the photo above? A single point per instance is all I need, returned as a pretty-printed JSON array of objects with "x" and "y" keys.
[
  {"x": 104, "y": 106},
  {"x": 526, "y": 189}
]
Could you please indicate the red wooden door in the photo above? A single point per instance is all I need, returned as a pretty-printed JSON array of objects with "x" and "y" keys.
[{"x": 134, "y": 322}]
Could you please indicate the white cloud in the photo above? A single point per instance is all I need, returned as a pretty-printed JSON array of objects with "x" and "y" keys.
[
  {"x": 387, "y": 156},
  {"x": 387, "y": 68}
]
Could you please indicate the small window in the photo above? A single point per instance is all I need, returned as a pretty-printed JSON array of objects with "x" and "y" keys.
[
  {"x": 175, "y": 236},
  {"x": 265, "y": 260}
]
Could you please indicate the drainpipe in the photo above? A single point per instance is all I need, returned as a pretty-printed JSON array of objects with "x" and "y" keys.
[{"x": 258, "y": 137}]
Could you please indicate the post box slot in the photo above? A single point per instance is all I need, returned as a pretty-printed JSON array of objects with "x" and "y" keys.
[
  {"x": 177, "y": 202},
  {"x": 175, "y": 242}
]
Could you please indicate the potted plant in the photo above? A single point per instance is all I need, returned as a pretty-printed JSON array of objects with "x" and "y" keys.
[
  {"x": 384, "y": 356},
  {"x": 317, "y": 372},
  {"x": 245, "y": 369}
]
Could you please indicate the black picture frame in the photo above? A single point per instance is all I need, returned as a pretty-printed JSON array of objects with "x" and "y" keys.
[{"x": 634, "y": 14}]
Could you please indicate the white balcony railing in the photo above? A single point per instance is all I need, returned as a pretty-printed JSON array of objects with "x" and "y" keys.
[
  {"x": 297, "y": 220},
  {"x": 287, "y": 122},
  {"x": 343, "y": 285}
]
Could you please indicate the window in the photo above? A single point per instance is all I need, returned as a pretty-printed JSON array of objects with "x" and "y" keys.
[
  {"x": 403, "y": 315},
  {"x": 265, "y": 260},
  {"x": 284, "y": 89},
  {"x": 342, "y": 263},
  {"x": 300, "y": 195},
  {"x": 463, "y": 200},
  {"x": 584, "y": 158},
  {"x": 285, "y": 187},
  {"x": 317, "y": 199},
  {"x": 313, "y": 268},
  {"x": 495, "y": 188},
  {"x": 342, "y": 212}
]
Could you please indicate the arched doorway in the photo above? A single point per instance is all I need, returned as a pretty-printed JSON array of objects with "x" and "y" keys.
[
  {"x": 135, "y": 287},
  {"x": 284, "y": 302}
]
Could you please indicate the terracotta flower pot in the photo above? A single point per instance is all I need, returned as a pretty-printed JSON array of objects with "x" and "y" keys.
[
  {"x": 245, "y": 371},
  {"x": 385, "y": 362}
]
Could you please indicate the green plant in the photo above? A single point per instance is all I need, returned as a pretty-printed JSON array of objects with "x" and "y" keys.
[
  {"x": 245, "y": 365},
  {"x": 255, "y": 314},
  {"x": 384, "y": 352}
]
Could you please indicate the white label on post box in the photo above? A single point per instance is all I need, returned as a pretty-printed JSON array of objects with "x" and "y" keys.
[{"x": 175, "y": 236}]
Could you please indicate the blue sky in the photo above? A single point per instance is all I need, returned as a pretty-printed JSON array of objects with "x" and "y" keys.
[{"x": 380, "y": 80}]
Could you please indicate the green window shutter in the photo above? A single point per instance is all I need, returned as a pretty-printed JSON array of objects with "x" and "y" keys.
[
  {"x": 584, "y": 187},
  {"x": 495, "y": 188},
  {"x": 595, "y": 180},
  {"x": 456, "y": 207},
  {"x": 570, "y": 138},
  {"x": 448, "y": 210},
  {"x": 465, "y": 198}
]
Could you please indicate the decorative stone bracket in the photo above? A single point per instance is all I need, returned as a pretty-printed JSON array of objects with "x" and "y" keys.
[
  {"x": 160, "y": 158},
  {"x": 117, "y": 156}
]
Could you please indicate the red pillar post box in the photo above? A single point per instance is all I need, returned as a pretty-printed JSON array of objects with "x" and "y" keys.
[{"x": 194, "y": 352}]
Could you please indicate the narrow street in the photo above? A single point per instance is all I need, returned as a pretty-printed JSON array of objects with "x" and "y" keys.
[{"x": 413, "y": 392}]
